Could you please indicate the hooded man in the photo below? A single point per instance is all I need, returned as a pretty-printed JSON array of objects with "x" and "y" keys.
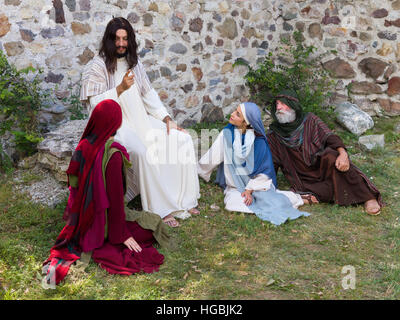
[{"x": 314, "y": 160}]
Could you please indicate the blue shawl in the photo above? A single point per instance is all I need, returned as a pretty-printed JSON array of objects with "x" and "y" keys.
[{"x": 267, "y": 205}]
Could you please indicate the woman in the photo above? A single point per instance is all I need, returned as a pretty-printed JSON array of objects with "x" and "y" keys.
[
  {"x": 96, "y": 221},
  {"x": 248, "y": 174}
]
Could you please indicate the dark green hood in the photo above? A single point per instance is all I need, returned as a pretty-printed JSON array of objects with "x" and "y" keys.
[{"x": 291, "y": 99}]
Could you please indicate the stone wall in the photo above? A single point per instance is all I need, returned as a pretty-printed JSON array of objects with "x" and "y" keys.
[{"x": 188, "y": 47}]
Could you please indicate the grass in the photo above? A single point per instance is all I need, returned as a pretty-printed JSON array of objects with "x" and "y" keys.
[{"x": 225, "y": 255}]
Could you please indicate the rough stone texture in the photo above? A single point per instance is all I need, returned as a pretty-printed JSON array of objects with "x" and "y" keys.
[
  {"x": 339, "y": 68},
  {"x": 372, "y": 67},
  {"x": 27, "y": 35},
  {"x": 353, "y": 118},
  {"x": 14, "y": 48},
  {"x": 393, "y": 86},
  {"x": 5, "y": 25},
  {"x": 79, "y": 28},
  {"x": 365, "y": 87},
  {"x": 56, "y": 149},
  {"x": 47, "y": 191},
  {"x": 211, "y": 113},
  {"x": 59, "y": 11},
  {"x": 380, "y": 13},
  {"x": 197, "y": 41},
  {"x": 372, "y": 141},
  {"x": 228, "y": 29},
  {"x": 315, "y": 31},
  {"x": 391, "y": 108},
  {"x": 86, "y": 56}
]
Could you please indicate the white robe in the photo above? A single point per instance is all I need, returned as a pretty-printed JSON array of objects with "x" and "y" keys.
[
  {"x": 171, "y": 186},
  {"x": 233, "y": 199}
]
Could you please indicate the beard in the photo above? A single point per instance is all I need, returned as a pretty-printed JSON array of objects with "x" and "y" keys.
[
  {"x": 285, "y": 116},
  {"x": 121, "y": 55}
]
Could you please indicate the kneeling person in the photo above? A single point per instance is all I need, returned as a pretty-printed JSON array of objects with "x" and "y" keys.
[{"x": 96, "y": 221}]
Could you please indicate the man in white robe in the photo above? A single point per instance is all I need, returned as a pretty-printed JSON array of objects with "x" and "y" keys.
[{"x": 167, "y": 183}]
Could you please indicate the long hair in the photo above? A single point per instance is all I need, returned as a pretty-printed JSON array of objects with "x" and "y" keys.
[{"x": 108, "y": 50}]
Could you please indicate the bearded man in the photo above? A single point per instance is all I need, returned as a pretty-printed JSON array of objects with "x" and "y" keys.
[
  {"x": 314, "y": 160},
  {"x": 167, "y": 186}
]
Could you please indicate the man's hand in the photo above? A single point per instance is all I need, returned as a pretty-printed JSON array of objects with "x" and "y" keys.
[
  {"x": 172, "y": 125},
  {"x": 132, "y": 245},
  {"x": 126, "y": 82},
  {"x": 248, "y": 199},
  {"x": 342, "y": 161}
]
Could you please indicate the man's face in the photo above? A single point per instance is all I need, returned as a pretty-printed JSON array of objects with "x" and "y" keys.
[
  {"x": 121, "y": 42},
  {"x": 284, "y": 114}
]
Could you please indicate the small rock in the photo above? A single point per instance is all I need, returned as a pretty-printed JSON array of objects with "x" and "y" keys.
[
  {"x": 393, "y": 86},
  {"x": 339, "y": 68},
  {"x": 5, "y": 25},
  {"x": 147, "y": 19},
  {"x": 133, "y": 17},
  {"x": 178, "y": 48},
  {"x": 195, "y": 25},
  {"x": 385, "y": 50},
  {"x": 228, "y": 29},
  {"x": 397, "y": 128},
  {"x": 14, "y": 48},
  {"x": 365, "y": 87},
  {"x": 211, "y": 114},
  {"x": 315, "y": 31},
  {"x": 387, "y": 35},
  {"x": 86, "y": 56},
  {"x": 353, "y": 118},
  {"x": 372, "y": 141},
  {"x": 53, "y": 78},
  {"x": 373, "y": 67},
  {"x": 380, "y": 13},
  {"x": 391, "y": 108},
  {"x": 79, "y": 28},
  {"x": 198, "y": 74}
]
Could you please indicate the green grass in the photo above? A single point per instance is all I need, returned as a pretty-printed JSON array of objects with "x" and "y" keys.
[{"x": 225, "y": 255}]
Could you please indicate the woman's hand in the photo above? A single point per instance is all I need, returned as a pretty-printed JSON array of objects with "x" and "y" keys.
[
  {"x": 132, "y": 245},
  {"x": 126, "y": 82},
  {"x": 248, "y": 199}
]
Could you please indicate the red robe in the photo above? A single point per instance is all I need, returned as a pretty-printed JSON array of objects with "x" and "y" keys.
[{"x": 114, "y": 256}]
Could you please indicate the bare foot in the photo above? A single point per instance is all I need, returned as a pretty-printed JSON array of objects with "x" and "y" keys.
[
  {"x": 309, "y": 199},
  {"x": 372, "y": 207},
  {"x": 171, "y": 221},
  {"x": 194, "y": 211}
]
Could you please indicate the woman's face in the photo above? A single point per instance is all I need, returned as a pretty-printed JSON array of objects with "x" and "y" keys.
[{"x": 237, "y": 118}]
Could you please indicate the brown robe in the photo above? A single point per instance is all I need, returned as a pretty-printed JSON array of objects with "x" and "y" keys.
[{"x": 310, "y": 167}]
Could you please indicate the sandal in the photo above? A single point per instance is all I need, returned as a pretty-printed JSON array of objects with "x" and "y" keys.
[
  {"x": 171, "y": 222},
  {"x": 309, "y": 199},
  {"x": 194, "y": 211}
]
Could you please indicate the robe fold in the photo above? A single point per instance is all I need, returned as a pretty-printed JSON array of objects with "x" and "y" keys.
[
  {"x": 310, "y": 167},
  {"x": 167, "y": 184}
]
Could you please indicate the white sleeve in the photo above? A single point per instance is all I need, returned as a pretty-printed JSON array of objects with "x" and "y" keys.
[
  {"x": 94, "y": 100},
  {"x": 259, "y": 182},
  {"x": 154, "y": 106},
  {"x": 212, "y": 158}
]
